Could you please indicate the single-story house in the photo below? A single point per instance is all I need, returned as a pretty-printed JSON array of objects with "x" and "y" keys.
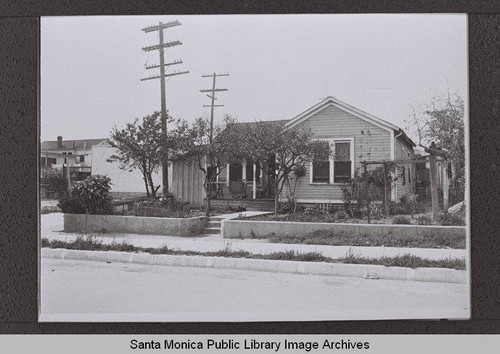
[{"x": 354, "y": 136}]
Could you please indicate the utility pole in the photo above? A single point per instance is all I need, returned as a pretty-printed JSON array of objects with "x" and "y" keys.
[
  {"x": 213, "y": 90},
  {"x": 211, "y": 176},
  {"x": 160, "y": 47}
]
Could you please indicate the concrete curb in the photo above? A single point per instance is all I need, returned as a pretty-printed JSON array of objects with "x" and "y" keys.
[{"x": 266, "y": 265}]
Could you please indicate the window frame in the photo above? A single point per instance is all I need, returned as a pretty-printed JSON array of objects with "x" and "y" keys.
[{"x": 331, "y": 160}]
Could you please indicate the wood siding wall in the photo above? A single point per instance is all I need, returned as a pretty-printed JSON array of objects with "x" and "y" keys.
[
  {"x": 402, "y": 149},
  {"x": 370, "y": 143},
  {"x": 187, "y": 182}
]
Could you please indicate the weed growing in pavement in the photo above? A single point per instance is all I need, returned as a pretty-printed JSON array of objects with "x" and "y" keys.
[{"x": 406, "y": 260}]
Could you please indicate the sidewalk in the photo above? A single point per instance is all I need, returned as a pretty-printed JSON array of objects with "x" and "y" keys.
[{"x": 52, "y": 226}]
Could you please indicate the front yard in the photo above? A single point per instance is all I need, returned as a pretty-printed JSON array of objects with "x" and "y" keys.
[
  {"x": 342, "y": 238},
  {"x": 316, "y": 215}
]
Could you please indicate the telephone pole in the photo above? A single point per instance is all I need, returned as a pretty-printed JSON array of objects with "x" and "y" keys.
[
  {"x": 160, "y": 47},
  {"x": 213, "y": 90}
]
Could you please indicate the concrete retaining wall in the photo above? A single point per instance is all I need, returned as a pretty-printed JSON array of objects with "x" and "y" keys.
[
  {"x": 134, "y": 224},
  {"x": 245, "y": 228}
]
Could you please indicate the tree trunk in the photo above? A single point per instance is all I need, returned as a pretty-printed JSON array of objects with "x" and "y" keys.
[
  {"x": 151, "y": 185},
  {"x": 276, "y": 195},
  {"x": 209, "y": 197},
  {"x": 147, "y": 187}
]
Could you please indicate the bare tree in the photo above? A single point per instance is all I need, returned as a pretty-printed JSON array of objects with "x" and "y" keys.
[{"x": 441, "y": 124}]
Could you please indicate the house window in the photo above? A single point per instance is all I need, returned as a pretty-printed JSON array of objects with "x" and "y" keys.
[
  {"x": 409, "y": 175},
  {"x": 321, "y": 169},
  {"x": 342, "y": 162},
  {"x": 403, "y": 175},
  {"x": 337, "y": 169},
  {"x": 82, "y": 158}
]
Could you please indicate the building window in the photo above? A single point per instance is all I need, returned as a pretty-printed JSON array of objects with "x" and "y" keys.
[
  {"x": 321, "y": 169},
  {"x": 409, "y": 175},
  {"x": 403, "y": 175},
  {"x": 342, "y": 162},
  {"x": 337, "y": 169},
  {"x": 82, "y": 158}
]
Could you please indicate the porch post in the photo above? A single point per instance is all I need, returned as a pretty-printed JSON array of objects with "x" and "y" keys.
[
  {"x": 244, "y": 170},
  {"x": 444, "y": 174},
  {"x": 227, "y": 174},
  {"x": 434, "y": 187},
  {"x": 254, "y": 190}
]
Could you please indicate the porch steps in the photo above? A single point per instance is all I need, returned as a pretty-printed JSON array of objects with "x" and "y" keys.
[{"x": 213, "y": 226}]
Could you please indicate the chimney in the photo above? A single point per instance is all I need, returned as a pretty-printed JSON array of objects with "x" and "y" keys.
[{"x": 59, "y": 141}]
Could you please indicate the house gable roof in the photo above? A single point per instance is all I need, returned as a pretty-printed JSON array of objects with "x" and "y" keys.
[
  {"x": 331, "y": 101},
  {"x": 270, "y": 122},
  {"x": 334, "y": 102},
  {"x": 70, "y": 144}
]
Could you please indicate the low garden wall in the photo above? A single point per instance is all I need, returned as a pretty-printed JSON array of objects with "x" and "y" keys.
[
  {"x": 246, "y": 229},
  {"x": 134, "y": 224}
]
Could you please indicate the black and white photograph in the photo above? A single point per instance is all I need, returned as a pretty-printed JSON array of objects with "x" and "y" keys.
[{"x": 244, "y": 168}]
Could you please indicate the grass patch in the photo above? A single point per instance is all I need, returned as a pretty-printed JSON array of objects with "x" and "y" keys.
[
  {"x": 336, "y": 238},
  {"x": 409, "y": 261},
  {"x": 319, "y": 216}
]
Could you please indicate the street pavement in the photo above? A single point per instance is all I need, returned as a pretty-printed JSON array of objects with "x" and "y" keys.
[
  {"x": 52, "y": 226},
  {"x": 89, "y": 291}
]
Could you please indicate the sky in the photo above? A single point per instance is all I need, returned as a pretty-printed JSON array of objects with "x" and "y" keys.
[{"x": 278, "y": 66}]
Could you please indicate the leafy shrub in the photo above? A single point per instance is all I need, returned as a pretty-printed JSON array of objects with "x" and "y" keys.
[
  {"x": 452, "y": 219},
  {"x": 90, "y": 196},
  {"x": 57, "y": 183},
  {"x": 163, "y": 207},
  {"x": 50, "y": 209},
  {"x": 315, "y": 210},
  {"x": 227, "y": 209},
  {"x": 340, "y": 215},
  {"x": 424, "y": 220},
  {"x": 366, "y": 186},
  {"x": 377, "y": 212},
  {"x": 401, "y": 220},
  {"x": 71, "y": 205},
  {"x": 406, "y": 207}
]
